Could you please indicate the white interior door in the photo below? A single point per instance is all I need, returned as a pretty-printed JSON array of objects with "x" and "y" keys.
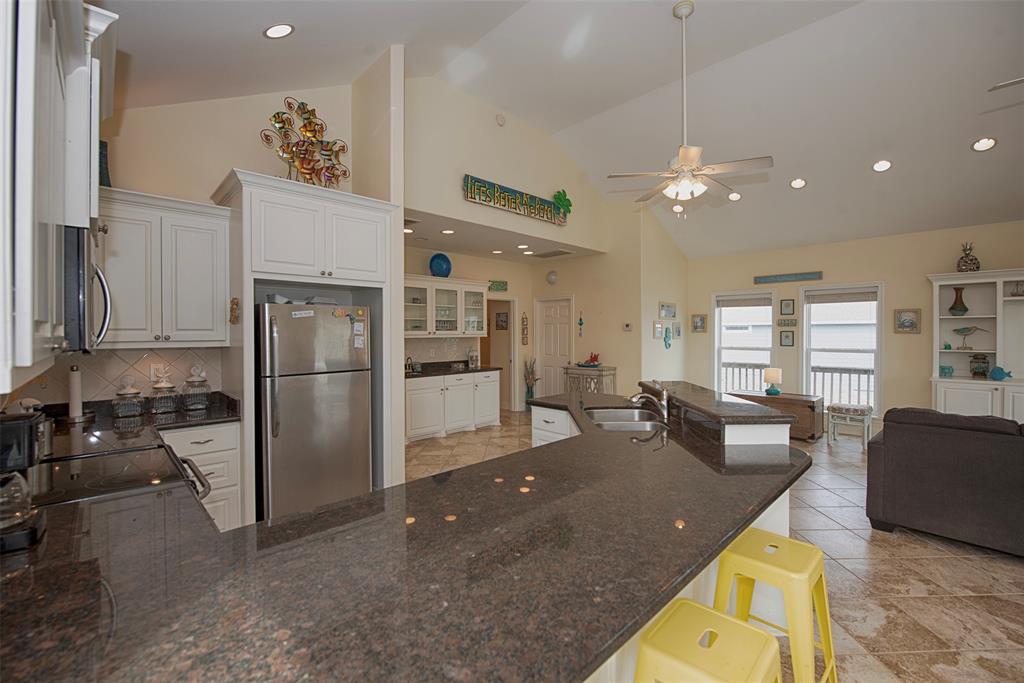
[
  {"x": 554, "y": 349},
  {"x": 501, "y": 347}
]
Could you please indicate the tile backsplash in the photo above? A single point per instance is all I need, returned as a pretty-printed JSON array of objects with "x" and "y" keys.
[
  {"x": 102, "y": 372},
  {"x": 440, "y": 349}
]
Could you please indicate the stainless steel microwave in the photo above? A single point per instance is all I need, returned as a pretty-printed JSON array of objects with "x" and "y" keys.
[{"x": 84, "y": 329}]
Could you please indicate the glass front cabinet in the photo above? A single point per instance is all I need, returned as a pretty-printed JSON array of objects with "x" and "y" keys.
[{"x": 443, "y": 307}]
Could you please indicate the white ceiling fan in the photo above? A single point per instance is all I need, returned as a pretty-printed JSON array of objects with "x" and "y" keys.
[{"x": 687, "y": 176}]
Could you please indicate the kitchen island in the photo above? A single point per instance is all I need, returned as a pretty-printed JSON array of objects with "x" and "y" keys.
[{"x": 536, "y": 566}]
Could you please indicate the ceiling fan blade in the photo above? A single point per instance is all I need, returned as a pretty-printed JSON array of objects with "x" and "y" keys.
[
  {"x": 738, "y": 166},
  {"x": 715, "y": 187},
  {"x": 1006, "y": 84},
  {"x": 689, "y": 156},
  {"x": 657, "y": 190},
  {"x": 664, "y": 174}
]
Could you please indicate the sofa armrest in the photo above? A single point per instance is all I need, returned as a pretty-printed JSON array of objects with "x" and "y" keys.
[{"x": 876, "y": 476}]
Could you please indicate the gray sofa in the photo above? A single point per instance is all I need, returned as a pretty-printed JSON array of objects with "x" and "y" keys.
[{"x": 950, "y": 475}]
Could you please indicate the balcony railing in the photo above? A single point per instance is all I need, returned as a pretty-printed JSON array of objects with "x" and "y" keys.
[
  {"x": 742, "y": 376},
  {"x": 843, "y": 385},
  {"x": 834, "y": 385}
]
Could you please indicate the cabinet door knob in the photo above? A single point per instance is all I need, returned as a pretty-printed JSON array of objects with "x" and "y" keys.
[
  {"x": 323, "y": 272},
  {"x": 156, "y": 337},
  {"x": 330, "y": 272},
  {"x": 167, "y": 337},
  {"x": 103, "y": 228}
]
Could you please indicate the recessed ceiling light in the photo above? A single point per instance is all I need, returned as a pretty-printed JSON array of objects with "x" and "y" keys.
[
  {"x": 983, "y": 144},
  {"x": 523, "y": 246},
  {"x": 882, "y": 165},
  {"x": 279, "y": 31},
  {"x": 496, "y": 251},
  {"x": 407, "y": 231},
  {"x": 798, "y": 183},
  {"x": 447, "y": 232},
  {"x": 735, "y": 196},
  {"x": 527, "y": 253}
]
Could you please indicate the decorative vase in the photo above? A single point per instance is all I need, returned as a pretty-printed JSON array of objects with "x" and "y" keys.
[
  {"x": 958, "y": 307},
  {"x": 529, "y": 395},
  {"x": 979, "y": 366},
  {"x": 968, "y": 262}
]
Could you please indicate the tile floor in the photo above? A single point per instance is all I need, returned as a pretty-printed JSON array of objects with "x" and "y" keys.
[{"x": 905, "y": 606}]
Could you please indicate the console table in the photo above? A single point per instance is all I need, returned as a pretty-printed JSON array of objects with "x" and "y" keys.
[
  {"x": 809, "y": 411},
  {"x": 599, "y": 380}
]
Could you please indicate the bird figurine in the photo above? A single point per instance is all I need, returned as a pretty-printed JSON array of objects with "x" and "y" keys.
[{"x": 965, "y": 332}]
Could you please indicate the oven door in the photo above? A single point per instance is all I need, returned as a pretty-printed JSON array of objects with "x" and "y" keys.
[{"x": 84, "y": 282}]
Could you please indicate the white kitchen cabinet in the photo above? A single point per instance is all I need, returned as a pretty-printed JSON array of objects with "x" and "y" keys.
[
  {"x": 1013, "y": 402},
  {"x": 424, "y": 407},
  {"x": 319, "y": 233},
  {"x": 967, "y": 398},
  {"x": 166, "y": 263},
  {"x": 550, "y": 425},
  {"x": 487, "y": 401},
  {"x": 445, "y": 307},
  {"x": 215, "y": 451},
  {"x": 459, "y": 406}
]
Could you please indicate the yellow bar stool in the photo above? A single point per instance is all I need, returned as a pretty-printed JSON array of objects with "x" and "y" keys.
[
  {"x": 693, "y": 643},
  {"x": 798, "y": 570}
]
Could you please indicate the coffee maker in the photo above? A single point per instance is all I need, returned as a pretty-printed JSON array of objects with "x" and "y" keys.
[{"x": 23, "y": 440}]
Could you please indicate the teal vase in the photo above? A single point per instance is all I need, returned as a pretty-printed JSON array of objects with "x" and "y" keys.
[
  {"x": 529, "y": 395},
  {"x": 958, "y": 307}
]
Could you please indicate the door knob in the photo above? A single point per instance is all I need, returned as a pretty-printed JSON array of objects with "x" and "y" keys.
[
  {"x": 167, "y": 337},
  {"x": 323, "y": 272},
  {"x": 330, "y": 272},
  {"x": 156, "y": 337},
  {"x": 104, "y": 229}
]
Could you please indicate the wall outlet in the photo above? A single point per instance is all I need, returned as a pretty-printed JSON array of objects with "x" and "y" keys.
[{"x": 155, "y": 370}]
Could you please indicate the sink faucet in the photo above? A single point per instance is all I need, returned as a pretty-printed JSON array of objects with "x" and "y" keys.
[{"x": 660, "y": 401}]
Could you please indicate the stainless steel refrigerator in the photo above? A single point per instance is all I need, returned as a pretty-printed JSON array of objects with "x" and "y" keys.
[{"x": 315, "y": 421}]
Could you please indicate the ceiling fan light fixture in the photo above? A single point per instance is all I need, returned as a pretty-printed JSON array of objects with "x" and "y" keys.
[
  {"x": 983, "y": 144},
  {"x": 881, "y": 166},
  {"x": 798, "y": 183},
  {"x": 684, "y": 189},
  {"x": 735, "y": 196}
]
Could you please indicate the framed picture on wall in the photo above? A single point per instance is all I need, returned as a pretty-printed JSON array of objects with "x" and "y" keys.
[
  {"x": 786, "y": 338},
  {"x": 699, "y": 323},
  {"x": 501, "y": 320},
  {"x": 659, "y": 329},
  {"x": 787, "y": 306},
  {"x": 907, "y": 321},
  {"x": 677, "y": 330},
  {"x": 666, "y": 310}
]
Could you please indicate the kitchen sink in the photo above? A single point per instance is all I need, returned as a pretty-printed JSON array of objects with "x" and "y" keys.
[{"x": 625, "y": 419}]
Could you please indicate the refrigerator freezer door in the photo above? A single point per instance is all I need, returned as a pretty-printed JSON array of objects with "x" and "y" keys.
[
  {"x": 297, "y": 339},
  {"x": 316, "y": 440}
]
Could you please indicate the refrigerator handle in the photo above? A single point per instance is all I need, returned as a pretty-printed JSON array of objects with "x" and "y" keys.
[
  {"x": 273, "y": 347},
  {"x": 275, "y": 422}
]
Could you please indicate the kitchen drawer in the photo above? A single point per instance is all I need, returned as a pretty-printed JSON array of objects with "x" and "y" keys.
[
  {"x": 541, "y": 437},
  {"x": 458, "y": 380},
  {"x": 417, "y": 383},
  {"x": 549, "y": 420},
  {"x": 220, "y": 468},
  {"x": 207, "y": 439},
  {"x": 225, "y": 506},
  {"x": 492, "y": 376}
]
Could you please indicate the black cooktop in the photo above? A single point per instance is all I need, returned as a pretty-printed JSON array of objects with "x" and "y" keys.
[{"x": 98, "y": 475}]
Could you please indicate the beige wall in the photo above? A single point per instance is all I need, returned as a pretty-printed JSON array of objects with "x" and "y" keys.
[
  {"x": 899, "y": 262},
  {"x": 185, "y": 150},
  {"x": 371, "y": 125},
  {"x": 663, "y": 271},
  {"x": 449, "y": 134}
]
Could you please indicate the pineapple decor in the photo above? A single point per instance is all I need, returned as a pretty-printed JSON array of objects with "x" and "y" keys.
[{"x": 968, "y": 262}]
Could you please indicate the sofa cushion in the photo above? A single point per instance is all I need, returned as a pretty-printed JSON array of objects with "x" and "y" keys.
[{"x": 933, "y": 418}]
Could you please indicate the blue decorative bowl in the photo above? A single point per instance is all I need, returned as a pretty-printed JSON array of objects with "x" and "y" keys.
[{"x": 440, "y": 265}]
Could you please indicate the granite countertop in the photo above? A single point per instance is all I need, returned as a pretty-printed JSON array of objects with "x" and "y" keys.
[
  {"x": 108, "y": 433},
  {"x": 442, "y": 369},
  {"x": 535, "y": 566},
  {"x": 722, "y": 408}
]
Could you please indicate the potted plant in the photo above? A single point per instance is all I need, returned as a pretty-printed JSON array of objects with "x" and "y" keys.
[{"x": 530, "y": 376}]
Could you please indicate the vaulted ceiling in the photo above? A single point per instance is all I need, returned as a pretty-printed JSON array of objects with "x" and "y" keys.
[{"x": 827, "y": 88}]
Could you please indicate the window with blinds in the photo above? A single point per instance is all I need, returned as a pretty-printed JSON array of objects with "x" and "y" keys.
[
  {"x": 743, "y": 340},
  {"x": 841, "y": 336}
]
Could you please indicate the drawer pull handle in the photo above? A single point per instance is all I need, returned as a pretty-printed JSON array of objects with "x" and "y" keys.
[
  {"x": 207, "y": 474},
  {"x": 548, "y": 422},
  {"x": 201, "y": 443}
]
